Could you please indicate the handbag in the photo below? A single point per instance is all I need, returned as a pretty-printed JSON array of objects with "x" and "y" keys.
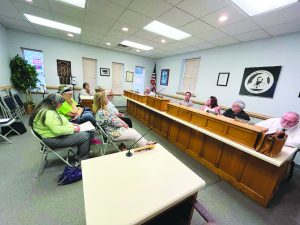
[
  {"x": 70, "y": 175},
  {"x": 272, "y": 143}
]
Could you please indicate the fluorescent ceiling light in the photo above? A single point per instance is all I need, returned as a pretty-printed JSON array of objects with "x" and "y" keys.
[
  {"x": 254, "y": 7},
  {"x": 165, "y": 30},
  {"x": 78, "y": 3},
  {"x": 53, "y": 24},
  {"x": 223, "y": 18},
  {"x": 124, "y": 29},
  {"x": 136, "y": 45}
]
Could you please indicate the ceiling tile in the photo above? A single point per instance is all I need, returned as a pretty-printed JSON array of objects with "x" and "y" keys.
[
  {"x": 284, "y": 28},
  {"x": 46, "y": 31},
  {"x": 35, "y": 11},
  {"x": 205, "y": 45},
  {"x": 146, "y": 34},
  {"x": 225, "y": 41},
  {"x": 95, "y": 28},
  {"x": 131, "y": 29},
  {"x": 15, "y": 23},
  {"x": 124, "y": 3},
  {"x": 135, "y": 19},
  {"x": 192, "y": 40},
  {"x": 240, "y": 27},
  {"x": 8, "y": 9},
  {"x": 252, "y": 35},
  {"x": 154, "y": 44},
  {"x": 67, "y": 10},
  {"x": 105, "y": 8},
  {"x": 283, "y": 15},
  {"x": 117, "y": 34},
  {"x": 159, "y": 38},
  {"x": 43, "y": 4},
  {"x": 67, "y": 20},
  {"x": 176, "y": 18},
  {"x": 233, "y": 13},
  {"x": 92, "y": 35},
  {"x": 212, "y": 35},
  {"x": 173, "y": 2},
  {"x": 201, "y": 8},
  {"x": 196, "y": 27},
  {"x": 150, "y": 8},
  {"x": 99, "y": 20}
]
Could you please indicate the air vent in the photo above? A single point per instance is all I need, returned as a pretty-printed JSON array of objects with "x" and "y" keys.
[{"x": 123, "y": 46}]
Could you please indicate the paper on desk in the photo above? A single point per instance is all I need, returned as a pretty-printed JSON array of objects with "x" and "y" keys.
[{"x": 87, "y": 126}]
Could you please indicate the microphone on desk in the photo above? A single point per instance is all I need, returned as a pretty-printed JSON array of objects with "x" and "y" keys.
[
  {"x": 156, "y": 93},
  {"x": 129, "y": 154}
]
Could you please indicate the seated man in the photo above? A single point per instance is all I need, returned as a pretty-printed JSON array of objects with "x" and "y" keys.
[
  {"x": 186, "y": 101},
  {"x": 149, "y": 92},
  {"x": 111, "y": 108},
  {"x": 86, "y": 90},
  {"x": 289, "y": 122},
  {"x": 237, "y": 110}
]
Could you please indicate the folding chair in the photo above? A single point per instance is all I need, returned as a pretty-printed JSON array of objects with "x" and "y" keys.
[
  {"x": 5, "y": 121},
  {"x": 106, "y": 140},
  {"x": 18, "y": 101},
  {"x": 46, "y": 150},
  {"x": 11, "y": 107}
]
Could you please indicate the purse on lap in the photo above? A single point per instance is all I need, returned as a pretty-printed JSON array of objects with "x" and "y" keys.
[{"x": 271, "y": 144}]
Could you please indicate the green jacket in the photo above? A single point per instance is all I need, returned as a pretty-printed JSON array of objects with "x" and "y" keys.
[
  {"x": 53, "y": 126},
  {"x": 66, "y": 108}
]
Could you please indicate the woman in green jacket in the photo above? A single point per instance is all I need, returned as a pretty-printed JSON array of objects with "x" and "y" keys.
[{"x": 55, "y": 130}]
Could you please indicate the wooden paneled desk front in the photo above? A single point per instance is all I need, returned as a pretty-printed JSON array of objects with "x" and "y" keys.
[
  {"x": 120, "y": 190},
  {"x": 225, "y": 146},
  {"x": 86, "y": 101}
]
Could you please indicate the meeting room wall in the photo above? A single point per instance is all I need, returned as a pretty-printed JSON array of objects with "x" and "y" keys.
[
  {"x": 4, "y": 59},
  {"x": 54, "y": 49},
  {"x": 280, "y": 51}
]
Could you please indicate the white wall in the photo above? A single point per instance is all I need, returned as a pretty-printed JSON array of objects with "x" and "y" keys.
[
  {"x": 280, "y": 51},
  {"x": 54, "y": 49},
  {"x": 4, "y": 59}
]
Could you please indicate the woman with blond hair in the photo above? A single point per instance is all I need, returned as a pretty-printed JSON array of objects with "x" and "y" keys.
[{"x": 112, "y": 124}]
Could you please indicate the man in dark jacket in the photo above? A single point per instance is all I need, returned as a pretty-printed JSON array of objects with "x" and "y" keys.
[{"x": 237, "y": 110}]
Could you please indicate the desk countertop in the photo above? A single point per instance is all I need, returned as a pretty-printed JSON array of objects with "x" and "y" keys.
[{"x": 121, "y": 190}]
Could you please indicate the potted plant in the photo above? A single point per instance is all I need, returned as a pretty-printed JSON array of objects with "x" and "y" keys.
[{"x": 24, "y": 77}]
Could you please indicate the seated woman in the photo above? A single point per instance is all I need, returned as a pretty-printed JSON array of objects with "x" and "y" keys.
[
  {"x": 111, "y": 108},
  {"x": 73, "y": 113},
  {"x": 211, "y": 105},
  {"x": 55, "y": 130},
  {"x": 113, "y": 125},
  {"x": 149, "y": 92}
]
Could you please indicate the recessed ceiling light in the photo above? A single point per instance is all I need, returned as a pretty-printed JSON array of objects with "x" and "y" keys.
[
  {"x": 78, "y": 3},
  {"x": 136, "y": 45},
  {"x": 28, "y": 0},
  {"x": 163, "y": 41},
  {"x": 223, "y": 18},
  {"x": 108, "y": 43},
  {"x": 70, "y": 35},
  {"x": 124, "y": 29},
  {"x": 137, "y": 50},
  {"x": 53, "y": 24},
  {"x": 254, "y": 7},
  {"x": 165, "y": 30}
]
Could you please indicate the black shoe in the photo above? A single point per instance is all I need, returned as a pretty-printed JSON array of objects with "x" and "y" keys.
[{"x": 122, "y": 147}]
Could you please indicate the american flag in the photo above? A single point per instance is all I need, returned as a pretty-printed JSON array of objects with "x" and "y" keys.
[{"x": 153, "y": 80}]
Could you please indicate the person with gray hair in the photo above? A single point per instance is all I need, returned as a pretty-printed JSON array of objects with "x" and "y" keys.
[
  {"x": 55, "y": 130},
  {"x": 237, "y": 111}
]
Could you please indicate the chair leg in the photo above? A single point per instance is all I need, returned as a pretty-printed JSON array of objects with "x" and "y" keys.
[
  {"x": 6, "y": 138},
  {"x": 42, "y": 164}
]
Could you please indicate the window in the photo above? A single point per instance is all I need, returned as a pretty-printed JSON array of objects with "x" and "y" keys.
[
  {"x": 35, "y": 58},
  {"x": 117, "y": 77},
  {"x": 138, "y": 83},
  {"x": 90, "y": 72},
  {"x": 190, "y": 75}
]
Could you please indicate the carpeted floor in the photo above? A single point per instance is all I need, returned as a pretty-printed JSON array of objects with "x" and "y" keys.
[{"x": 27, "y": 200}]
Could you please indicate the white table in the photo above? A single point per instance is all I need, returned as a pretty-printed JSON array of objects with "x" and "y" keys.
[{"x": 132, "y": 190}]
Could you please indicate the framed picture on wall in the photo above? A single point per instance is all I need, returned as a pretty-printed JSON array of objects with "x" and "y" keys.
[
  {"x": 129, "y": 76},
  {"x": 104, "y": 71},
  {"x": 223, "y": 79},
  {"x": 164, "y": 77}
]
